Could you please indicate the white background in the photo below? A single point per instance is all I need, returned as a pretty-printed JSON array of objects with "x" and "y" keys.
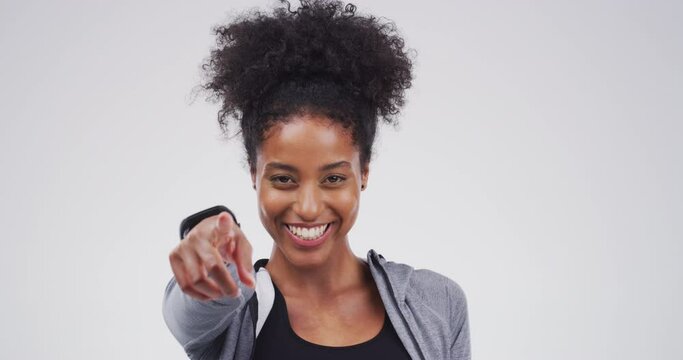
[{"x": 538, "y": 164}]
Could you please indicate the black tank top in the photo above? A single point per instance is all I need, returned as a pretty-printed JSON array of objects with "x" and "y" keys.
[{"x": 277, "y": 340}]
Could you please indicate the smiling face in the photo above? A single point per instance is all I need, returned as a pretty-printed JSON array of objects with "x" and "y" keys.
[{"x": 308, "y": 179}]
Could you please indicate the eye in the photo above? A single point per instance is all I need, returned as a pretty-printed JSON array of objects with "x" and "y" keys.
[
  {"x": 281, "y": 179},
  {"x": 335, "y": 179}
]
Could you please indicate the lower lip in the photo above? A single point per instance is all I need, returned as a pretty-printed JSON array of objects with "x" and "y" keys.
[{"x": 310, "y": 243}]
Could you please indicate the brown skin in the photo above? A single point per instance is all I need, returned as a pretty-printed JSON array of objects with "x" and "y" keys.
[
  {"x": 198, "y": 261},
  {"x": 331, "y": 297}
]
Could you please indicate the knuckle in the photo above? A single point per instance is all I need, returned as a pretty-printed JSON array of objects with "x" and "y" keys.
[
  {"x": 198, "y": 233},
  {"x": 193, "y": 236},
  {"x": 174, "y": 256},
  {"x": 196, "y": 278},
  {"x": 185, "y": 287},
  {"x": 213, "y": 266}
]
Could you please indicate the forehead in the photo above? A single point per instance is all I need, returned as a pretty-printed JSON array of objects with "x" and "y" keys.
[{"x": 307, "y": 140}]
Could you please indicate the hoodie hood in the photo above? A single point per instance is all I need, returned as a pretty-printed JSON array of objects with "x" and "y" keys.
[
  {"x": 392, "y": 281},
  {"x": 397, "y": 275}
]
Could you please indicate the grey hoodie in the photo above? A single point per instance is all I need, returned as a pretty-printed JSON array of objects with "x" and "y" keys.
[{"x": 428, "y": 311}]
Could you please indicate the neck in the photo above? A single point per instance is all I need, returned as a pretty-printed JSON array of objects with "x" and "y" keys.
[{"x": 340, "y": 272}]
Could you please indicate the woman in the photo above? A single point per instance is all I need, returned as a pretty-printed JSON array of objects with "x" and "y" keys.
[{"x": 307, "y": 87}]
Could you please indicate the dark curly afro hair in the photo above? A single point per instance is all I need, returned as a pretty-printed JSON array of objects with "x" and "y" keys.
[{"x": 322, "y": 58}]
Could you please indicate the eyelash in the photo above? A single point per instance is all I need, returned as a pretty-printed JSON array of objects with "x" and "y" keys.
[
  {"x": 280, "y": 177},
  {"x": 276, "y": 177},
  {"x": 341, "y": 178}
]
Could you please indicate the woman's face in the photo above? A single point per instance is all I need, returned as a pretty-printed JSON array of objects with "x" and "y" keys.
[{"x": 308, "y": 180}]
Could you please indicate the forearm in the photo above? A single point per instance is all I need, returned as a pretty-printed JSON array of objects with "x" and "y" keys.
[{"x": 195, "y": 323}]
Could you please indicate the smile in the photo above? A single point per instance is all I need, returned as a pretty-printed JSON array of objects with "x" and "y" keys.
[{"x": 308, "y": 236}]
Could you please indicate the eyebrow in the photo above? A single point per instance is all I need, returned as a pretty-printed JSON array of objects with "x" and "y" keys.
[{"x": 287, "y": 167}]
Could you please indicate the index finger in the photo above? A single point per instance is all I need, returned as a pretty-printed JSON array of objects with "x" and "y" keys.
[
  {"x": 223, "y": 236},
  {"x": 242, "y": 256},
  {"x": 224, "y": 223}
]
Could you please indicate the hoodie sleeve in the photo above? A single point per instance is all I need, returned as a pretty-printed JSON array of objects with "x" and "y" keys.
[
  {"x": 460, "y": 347},
  {"x": 196, "y": 323}
]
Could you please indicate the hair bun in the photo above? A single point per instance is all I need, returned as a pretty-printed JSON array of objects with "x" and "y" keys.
[{"x": 322, "y": 41}]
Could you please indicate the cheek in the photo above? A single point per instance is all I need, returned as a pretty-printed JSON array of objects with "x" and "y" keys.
[
  {"x": 271, "y": 205},
  {"x": 346, "y": 203}
]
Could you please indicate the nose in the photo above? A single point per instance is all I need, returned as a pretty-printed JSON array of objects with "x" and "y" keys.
[{"x": 309, "y": 203}]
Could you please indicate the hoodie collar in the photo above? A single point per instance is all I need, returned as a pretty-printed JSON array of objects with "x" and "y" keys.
[{"x": 397, "y": 275}]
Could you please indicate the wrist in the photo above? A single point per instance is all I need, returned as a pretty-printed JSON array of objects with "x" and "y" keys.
[{"x": 191, "y": 221}]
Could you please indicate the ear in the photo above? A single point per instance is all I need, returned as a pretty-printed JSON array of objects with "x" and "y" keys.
[
  {"x": 253, "y": 178},
  {"x": 364, "y": 176}
]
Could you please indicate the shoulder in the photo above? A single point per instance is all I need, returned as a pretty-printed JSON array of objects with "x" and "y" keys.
[
  {"x": 436, "y": 303},
  {"x": 436, "y": 290},
  {"x": 429, "y": 284},
  {"x": 439, "y": 293}
]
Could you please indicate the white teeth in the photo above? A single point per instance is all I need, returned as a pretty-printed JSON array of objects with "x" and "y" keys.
[{"x": 308, "y": 233}]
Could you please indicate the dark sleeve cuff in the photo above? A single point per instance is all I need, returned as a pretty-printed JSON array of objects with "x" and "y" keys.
[{"x": 191, "y": 221}]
